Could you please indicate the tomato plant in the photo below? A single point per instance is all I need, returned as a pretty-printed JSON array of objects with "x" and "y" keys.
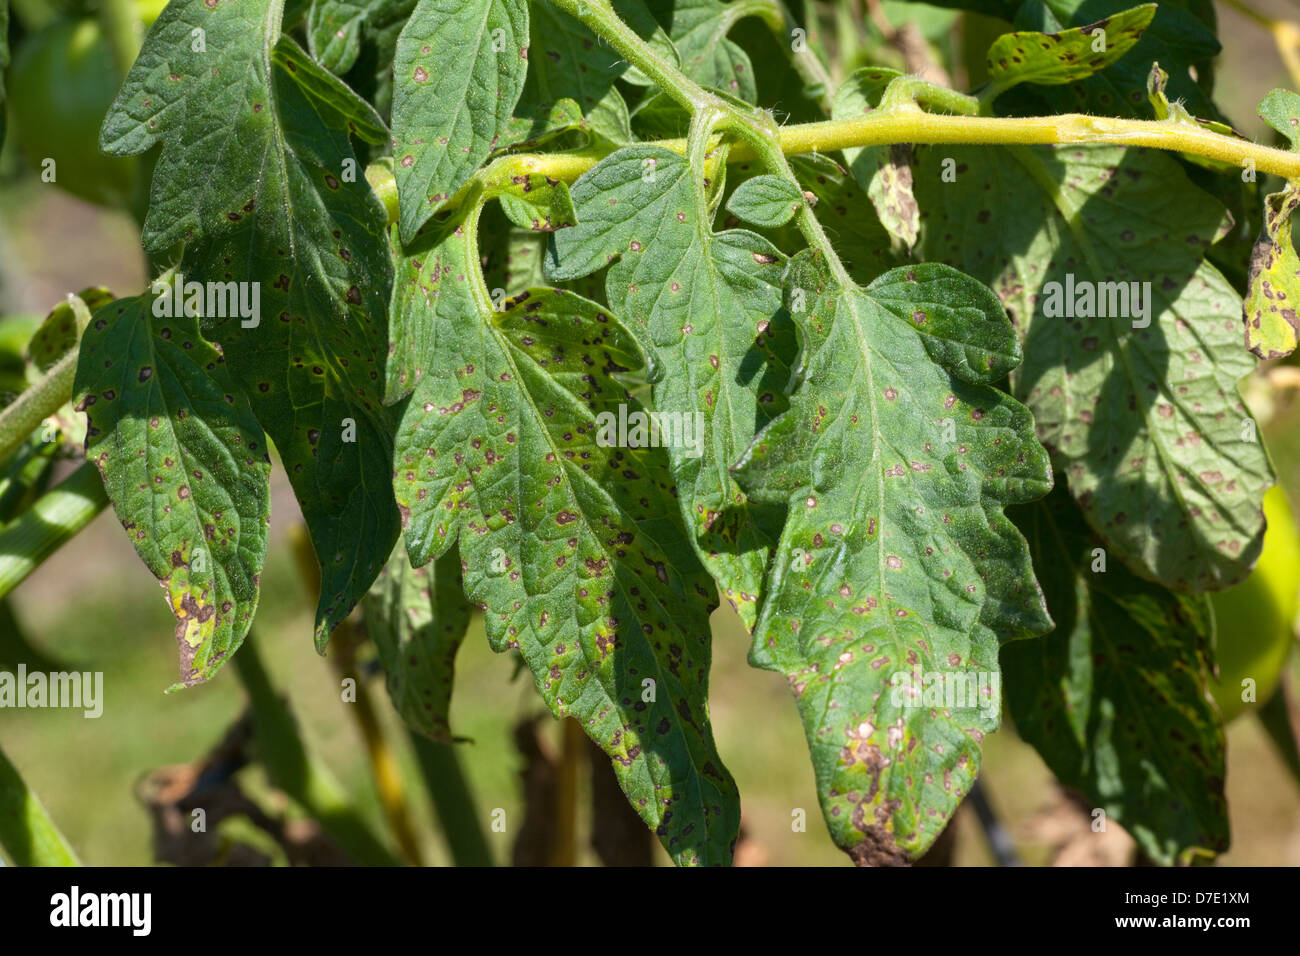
[{"x": 580, "y": 317}]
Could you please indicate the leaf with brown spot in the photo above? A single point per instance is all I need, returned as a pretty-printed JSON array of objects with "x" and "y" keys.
[
  {"x": 1273, "y": 298},
  {"x": 896, "y": 459},
  {"x": 708, "y": 305},
  {"x": 573, "y": 545},
  {"x": 1139, "y": 406},
  {"x": 1117, "y": 699},
  {"x": 1065, "y": 56},
  {"x": 275, "y": 127},
  {"x": 180, "y": 419},
  {"x": 417, "y": 618},
  {"x": 445, "y": 126}
]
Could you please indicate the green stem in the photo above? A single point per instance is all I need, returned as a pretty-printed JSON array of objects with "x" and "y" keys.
[
  {"x": 452, "y": 801},
  {"x": 26, "y": 412},
  {"x": 296, "y": 771},
  {"x": 916, "y": 126},
  {"x": 600, "y": 18},
  {"x": 27, "y": 833},
  {"x": 54, "y": 518}
]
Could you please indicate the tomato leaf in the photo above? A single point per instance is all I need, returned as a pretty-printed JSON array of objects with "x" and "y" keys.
[
  {"x": 276, "y": 206},
  {"x": 896, "y": 459},
  {"x": 767, "y": 201},
  {"x": 449, "y": 108},
  {"x": 1273, "y": 296},
  {"x": 1054, "y": 59},
  {"x": 571, "y": 543},
  {"x": 185, "y": 464},
  {"x": 698, "y": 30},
  {"x": 709, "y": 306},
  {"x": 1133, "y": 387},
  {"x": 1117, "y": 698}
]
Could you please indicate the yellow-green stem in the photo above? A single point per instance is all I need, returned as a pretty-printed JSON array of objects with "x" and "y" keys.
[{"x": 917, "y": 126}]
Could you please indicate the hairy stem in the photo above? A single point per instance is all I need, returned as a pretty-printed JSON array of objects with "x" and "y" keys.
[
  {"x": 884, "y": 128},
  {"x": 25, "y": 414}
]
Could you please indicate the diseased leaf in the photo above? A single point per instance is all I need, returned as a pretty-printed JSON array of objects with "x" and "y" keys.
[
  {"x": 571, "y": 540},
  {"x": 185, "y": 464},
  {"x": 448, "y": 111},
  {"x": 1117, "y": 699},
  {"x": 766, "y": 200},
  {"x": 62, "y": 328},
  {"x": 1177, "y": 38},
  {"x": 1133, "y": 388},
  {"x": 292, "y": 247},
  {"x": 537, "y": 202},
  {"x": 896, "y": 459},
  {"x": 1054, "y": 59},
  {"x": 1273, "y": 295},
  {"x": 708, "y": 305},
  {"x": 883, "y": 171},
  {"x": 417, "y": 618}
]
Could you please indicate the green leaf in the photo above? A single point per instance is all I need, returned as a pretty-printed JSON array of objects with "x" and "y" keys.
[
  {"x": 767, "y": 200},
  {"x": 698, "y": 29},
  {"x": 1054, "y": 59},
  {"x": 896, "y": 459},
  {"x": 571, "y": 542},
  {"x": 537, "y": 202},
  {"x": 1273, "y": 293},
  {"x": 185, "y": 464},
  {"x": 708, "y": 305},
  {"x": 1280, "y": 109},
  {"x": 566, "y": 62},
  {"x": 459, "y": 70},
  {"x": 1138, "y": 406},
  {"x": 62, "y": 328},
  {"x": 417, "y": 618},
  {"x": 1178, "y": 38},
  {"x": 276, "y": 201},
  {"x": 1117, "y": 698},
  {"x": 334, "y": 32}
]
